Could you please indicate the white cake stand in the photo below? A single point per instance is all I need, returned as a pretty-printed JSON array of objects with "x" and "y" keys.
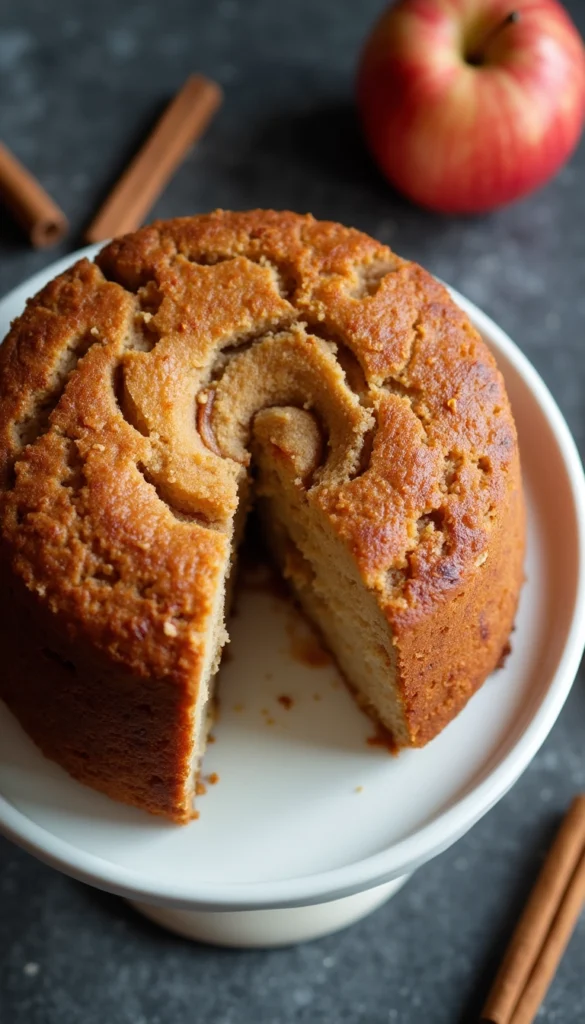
[{"x": 309, "y": 827}]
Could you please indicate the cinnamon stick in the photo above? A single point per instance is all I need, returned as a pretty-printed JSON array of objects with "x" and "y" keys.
[
  {"x": 553, "y": 949},
  {"x": 182, "y": 123},
  {"x": 544, "y": 928},
  {"x": 41, "y": 218}
]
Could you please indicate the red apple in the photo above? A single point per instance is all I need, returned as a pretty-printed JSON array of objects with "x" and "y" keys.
[{"x": 469, "y": 104}]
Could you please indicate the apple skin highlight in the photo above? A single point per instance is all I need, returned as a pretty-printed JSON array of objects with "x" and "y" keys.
[{"x": 465, "y": 109}]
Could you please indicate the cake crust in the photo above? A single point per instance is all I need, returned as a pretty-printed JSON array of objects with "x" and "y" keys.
[{"x": 133, "y": 391}]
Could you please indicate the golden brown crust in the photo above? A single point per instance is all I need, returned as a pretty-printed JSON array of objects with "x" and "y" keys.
[
  {"x": 122, "y": 734},
  {"x": 116, "y": 510}
]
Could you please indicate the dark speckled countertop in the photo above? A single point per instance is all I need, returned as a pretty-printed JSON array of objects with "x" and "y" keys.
[{"x": 80, "y": 83}]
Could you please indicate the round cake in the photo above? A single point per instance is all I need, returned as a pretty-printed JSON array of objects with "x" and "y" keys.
[{"x": 203, "y": 365}]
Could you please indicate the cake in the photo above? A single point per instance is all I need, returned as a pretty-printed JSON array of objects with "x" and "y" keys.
[{"x": 198, "y": 367}]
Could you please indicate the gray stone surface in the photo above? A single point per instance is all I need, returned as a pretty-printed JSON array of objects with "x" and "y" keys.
[{"x": 79, "y": 85}]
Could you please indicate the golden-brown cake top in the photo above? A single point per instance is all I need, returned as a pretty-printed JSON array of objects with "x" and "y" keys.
[{"x": 129, "y": 389}]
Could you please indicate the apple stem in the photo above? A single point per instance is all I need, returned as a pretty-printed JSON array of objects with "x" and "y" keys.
[{"x": 477, "y": 57}]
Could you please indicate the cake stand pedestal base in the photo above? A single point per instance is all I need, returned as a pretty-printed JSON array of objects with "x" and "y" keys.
[{"x": 261, "y": 929}]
